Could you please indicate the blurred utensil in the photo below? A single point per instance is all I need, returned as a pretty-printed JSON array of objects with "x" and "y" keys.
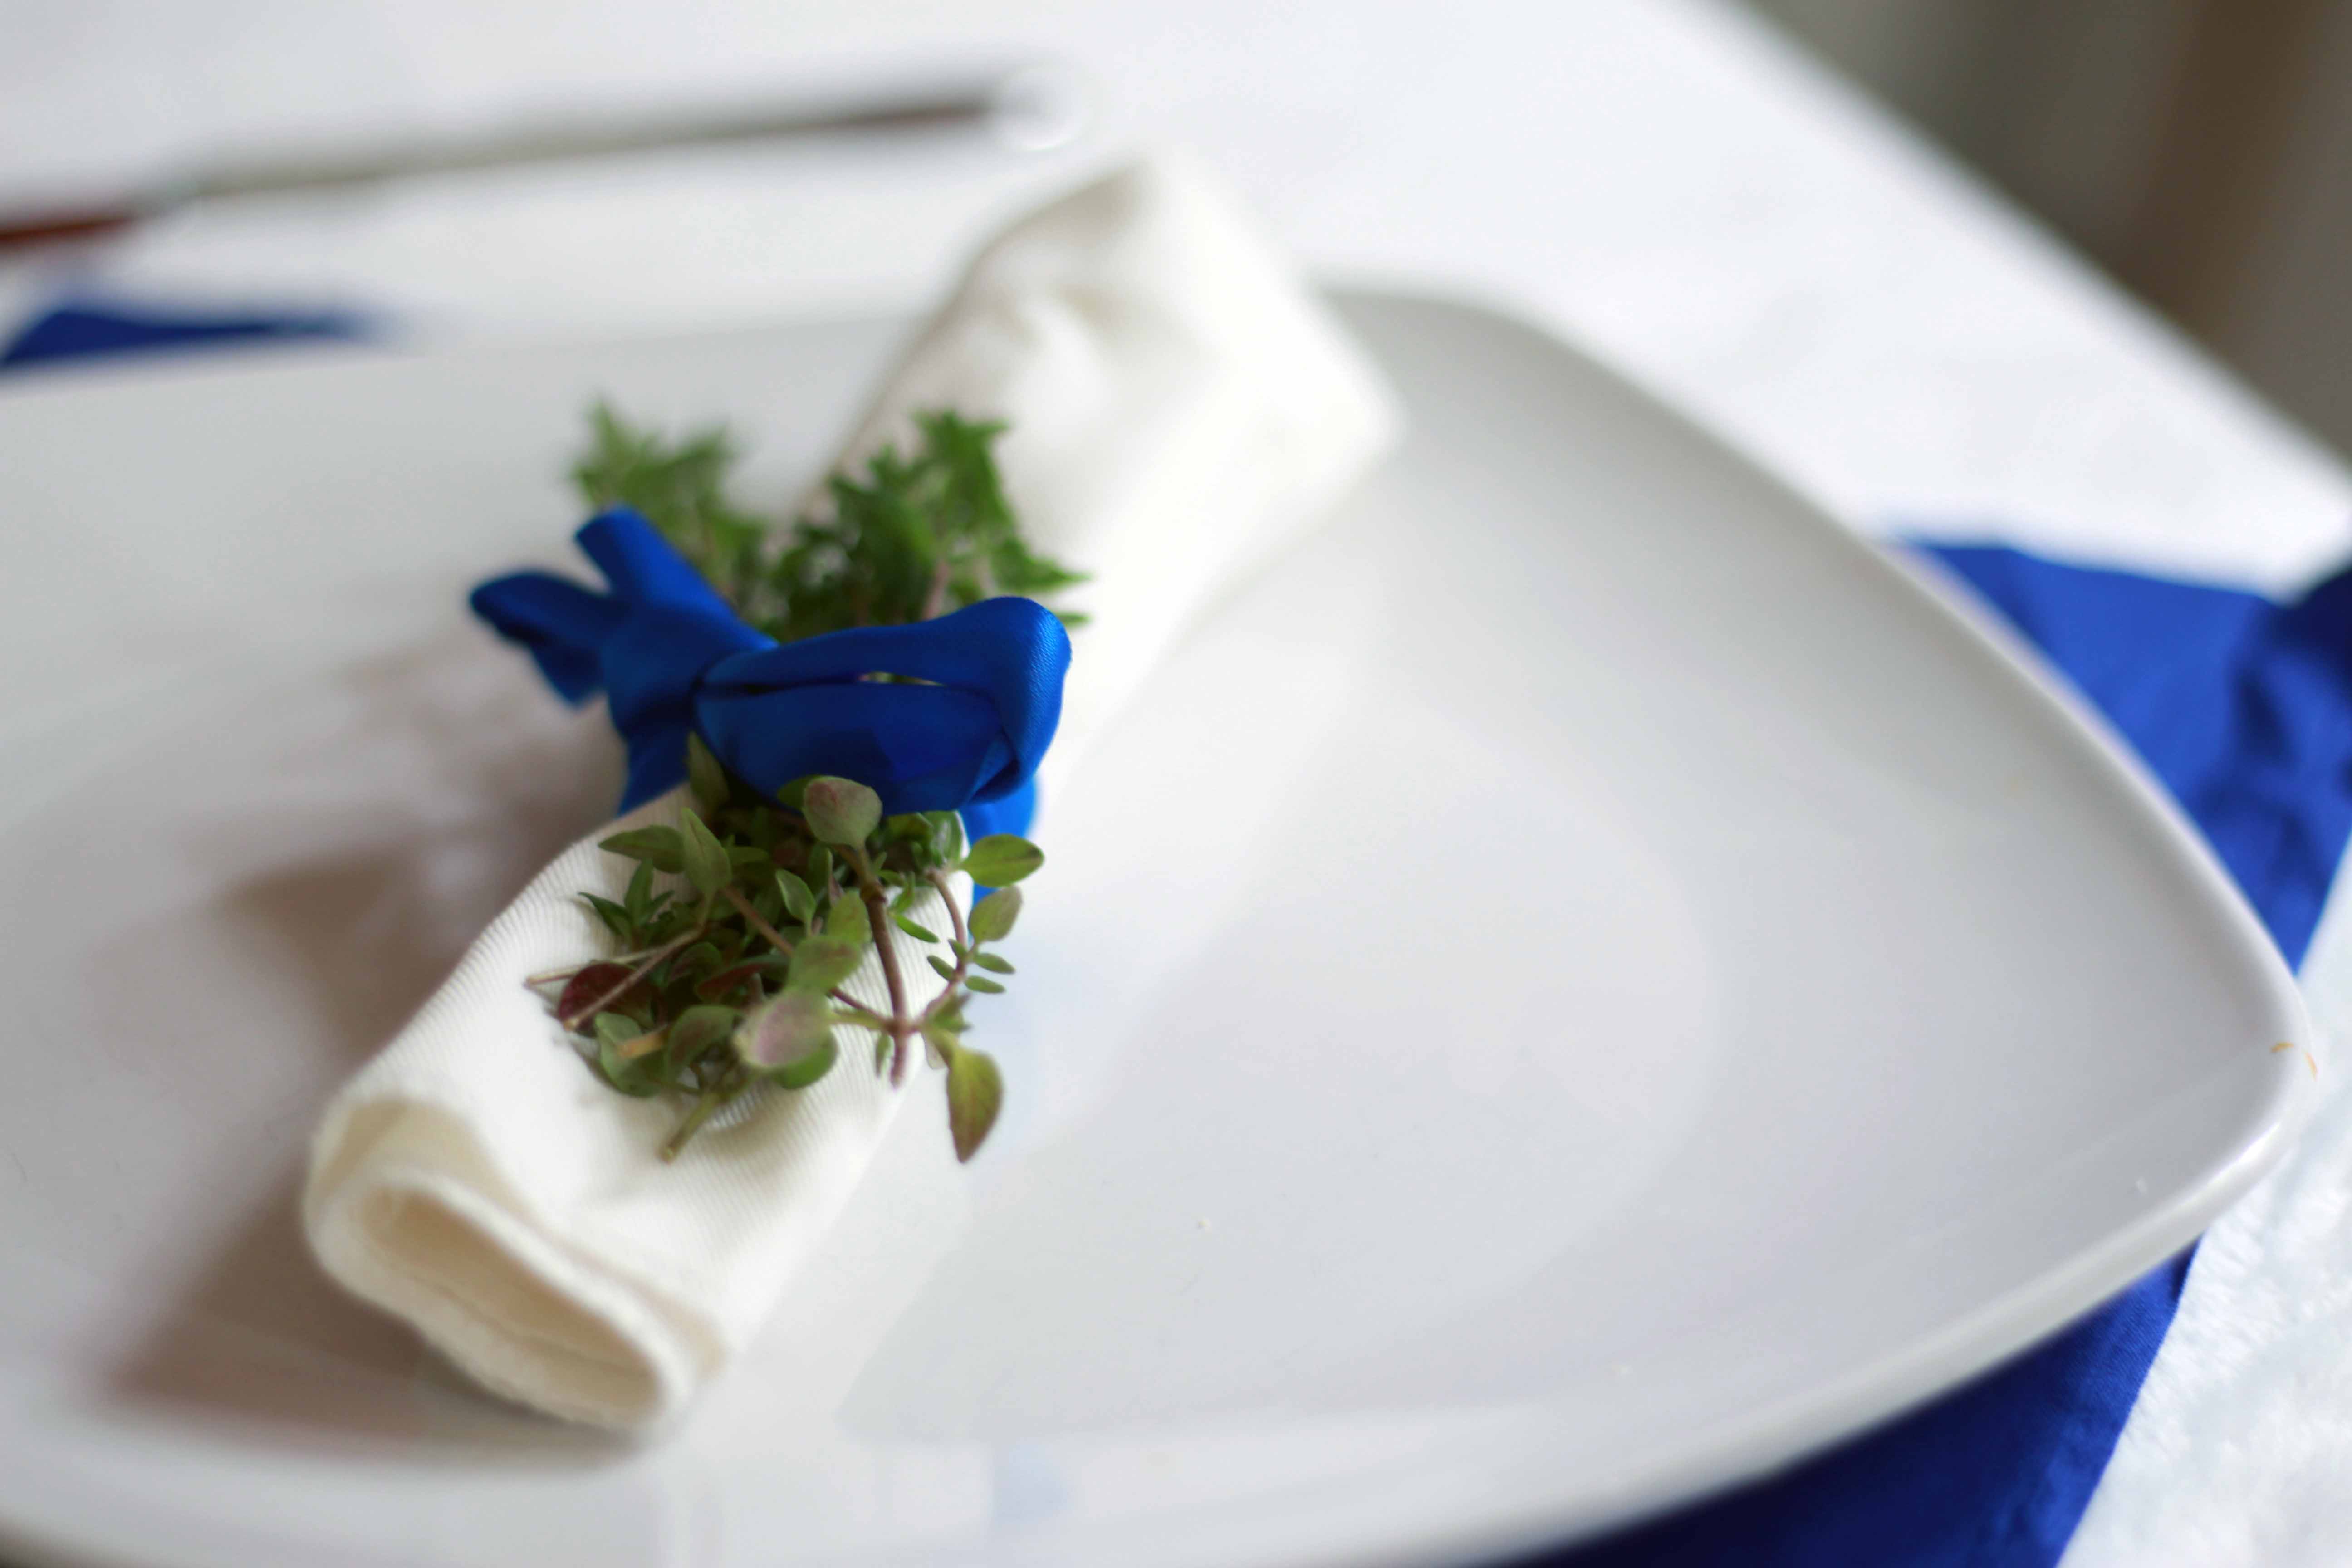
[{"x": 1033, "y": 109}]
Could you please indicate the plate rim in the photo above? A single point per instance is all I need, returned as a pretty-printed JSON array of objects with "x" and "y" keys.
[{"x": 1995, "y": 1332}]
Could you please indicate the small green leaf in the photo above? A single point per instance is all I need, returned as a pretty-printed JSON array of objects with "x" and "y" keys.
[
  {"x": 943, "y": 1043},
  {"x": 616, "y": 919},
  {"x": 947, "y": 836},
  {"x": 840, "y": 811},
  {"x": 699, "y": 1029},
  {"x": 734, "y": 978},
  {"x": 1001, "y": 860},
  {"x": 620, "y": 1055},
  {"x": 705, "y": 858},
  {"x": 639, "y": 900},
  {"x": 791, "y": 793},
  {"x": 945, "y": 970},
  {"x": 799, "y": 902},
  {"x": 848, "y": 921},
  {"x": 785, "y": 1032},
  {"x": 809, "y": 1068},
  {"x": 741, "y": 854},
  {"x": 991, "y": 919},
  {"x": 704, "y": 775},
  {"x": 820, "y": 870},
  {"x": 633, "y": 1077},
  {"x": 821, "y": 963},
  {"x": 919, "y": 932},
  {"x": 659, "y": 847},
  {"x": 698, "y": 958},
  {"x": 975, "y": 1094},
  {"x": 983, "y": 985},
  {"x": 990, "y": 960}
]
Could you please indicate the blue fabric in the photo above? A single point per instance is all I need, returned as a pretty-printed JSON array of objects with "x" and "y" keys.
[
  {"x": 2243, "y": 708},
  {"x": 87, "y": 330},
  {"x": 670, "y": 655}
]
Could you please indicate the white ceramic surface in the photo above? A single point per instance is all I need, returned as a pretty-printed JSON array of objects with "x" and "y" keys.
[{"x": 1580, "y": 986}]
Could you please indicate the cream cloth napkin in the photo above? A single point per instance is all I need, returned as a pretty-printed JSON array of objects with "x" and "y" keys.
[{"x": 1180, "y": 406}]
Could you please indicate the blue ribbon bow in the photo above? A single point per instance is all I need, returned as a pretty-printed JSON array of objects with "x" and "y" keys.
[{"x": 672, "y": 657}]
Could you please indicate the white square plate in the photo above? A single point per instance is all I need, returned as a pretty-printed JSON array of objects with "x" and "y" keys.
[{"x": 1583, "y": 984}]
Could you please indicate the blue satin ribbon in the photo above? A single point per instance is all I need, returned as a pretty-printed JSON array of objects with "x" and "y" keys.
[{"x": 671, "y": 657}]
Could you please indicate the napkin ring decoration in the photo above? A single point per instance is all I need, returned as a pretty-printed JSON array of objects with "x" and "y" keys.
[{"x": 835, "y": 779}]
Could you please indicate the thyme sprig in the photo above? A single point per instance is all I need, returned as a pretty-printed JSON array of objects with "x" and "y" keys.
[
  {"x": 914, "y": 538},
  {"x": 739, "y": 927}
]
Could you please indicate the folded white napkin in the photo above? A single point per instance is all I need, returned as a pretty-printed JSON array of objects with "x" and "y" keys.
[{"x": 1179, "y": 405}]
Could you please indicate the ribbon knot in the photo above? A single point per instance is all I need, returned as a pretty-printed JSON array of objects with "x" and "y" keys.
[{"x": 965, "y": 728}]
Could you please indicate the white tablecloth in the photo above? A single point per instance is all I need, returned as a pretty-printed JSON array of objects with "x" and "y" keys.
[{"x": 1665, "y": 182}]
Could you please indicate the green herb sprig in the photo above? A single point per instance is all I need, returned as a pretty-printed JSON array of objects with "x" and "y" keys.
[
  {"x": 918, "y": 536},
  {"x": 739, "y": 926}
]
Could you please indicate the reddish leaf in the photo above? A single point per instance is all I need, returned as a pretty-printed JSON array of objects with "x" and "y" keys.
[
  {"x": 728, "y": 980},
  {"x": 583, "y": 989}
]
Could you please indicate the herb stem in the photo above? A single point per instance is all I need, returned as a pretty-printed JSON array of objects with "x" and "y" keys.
[
  {"x": 877, "y": 914},
  {"x": 935, "y": 598},
  {"x": 939, "y": 879},
  {"x": 706, "y": 1106},
  {"x": 743, "y": 906},
  {"x": 867, "y": 1016},
  {"x": 962, "y": 949},
  {"x": 549, "y": 976},
  {"x": 574, "y": 1020}
]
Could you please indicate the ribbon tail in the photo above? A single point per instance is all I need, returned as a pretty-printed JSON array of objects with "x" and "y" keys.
[
  {"x": 560, "y": 624},
  {"x": 1010, "y": 813}
]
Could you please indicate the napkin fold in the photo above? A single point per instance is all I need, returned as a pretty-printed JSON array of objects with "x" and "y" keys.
[
  {"x": 1179, "y": 405},
  {"x": 1180, "y": 408},
  {"x": 477, "y": 1182}
]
